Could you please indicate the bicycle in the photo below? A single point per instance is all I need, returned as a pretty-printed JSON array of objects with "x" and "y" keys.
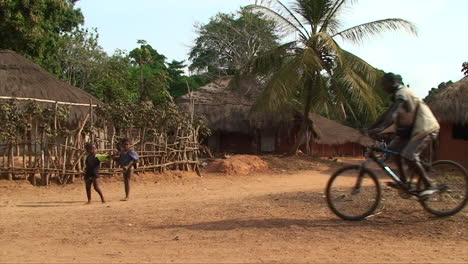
[{"x": 354, "y": 193}]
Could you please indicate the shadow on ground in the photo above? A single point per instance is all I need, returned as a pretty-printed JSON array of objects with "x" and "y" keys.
[
  {"x": 335, "y": 224},
  {"x": 50, "y": 204}
]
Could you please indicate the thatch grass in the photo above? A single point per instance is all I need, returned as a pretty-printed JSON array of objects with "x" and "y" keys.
[
  {"x": 451, "y": 104},
  {"x": 330, "y": 132},
  {"x": 20, "y": 77},
  {"x": 229, "y": 109}
]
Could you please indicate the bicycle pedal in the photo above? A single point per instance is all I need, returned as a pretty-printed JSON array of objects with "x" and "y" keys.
[{"x": 426, "y": 193}]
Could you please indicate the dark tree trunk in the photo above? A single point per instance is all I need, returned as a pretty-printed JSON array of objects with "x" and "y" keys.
[{"x": 305, "y": 122}]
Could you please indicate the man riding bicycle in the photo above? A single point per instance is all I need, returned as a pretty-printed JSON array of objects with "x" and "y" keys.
[{"x": 413, "y": 122}]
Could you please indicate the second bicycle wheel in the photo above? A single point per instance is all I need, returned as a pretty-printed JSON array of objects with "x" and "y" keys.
[
  {"x": 351, "y": 196},
  {"x": 450, "y": 180}
]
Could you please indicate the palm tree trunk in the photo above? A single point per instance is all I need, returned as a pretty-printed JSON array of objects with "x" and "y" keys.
[{"x": 305, "y": 117}]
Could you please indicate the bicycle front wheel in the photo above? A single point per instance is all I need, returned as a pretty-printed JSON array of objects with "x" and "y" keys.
[
  {"x": 353, "y": 193},
  {"x": 450, "y": 181}
]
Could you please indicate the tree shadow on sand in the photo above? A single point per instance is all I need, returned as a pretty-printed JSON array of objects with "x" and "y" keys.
[{"x": 323, "y": 224}]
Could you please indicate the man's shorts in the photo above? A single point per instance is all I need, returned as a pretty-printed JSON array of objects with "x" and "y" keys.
[{"x": 411, "y": 149}]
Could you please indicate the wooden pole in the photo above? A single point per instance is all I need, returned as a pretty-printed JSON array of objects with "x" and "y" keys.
[
  {"x": 43, "y": 101},
  {"x": 11, "y": 163},
  {"x": 35, "y": 152},
  {"x": 91, "y": 120}
]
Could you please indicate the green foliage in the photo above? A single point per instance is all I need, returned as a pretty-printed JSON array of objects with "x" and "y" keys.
[
  {"x": 79, "y": 58},
  {"x": 178, "y": 81},
  {"x": 12, "y": 121},
  {"x": 48, "y": 32},
  {"x": 34, "y": 28},
  {"x": 16, "y": 120},
  {"x": 156, "y": 119},
  {"x": 115, "y": 83},
  {"x": 149, "y": 72},
  {"x": 313, "y": 73},
  {"x": 434, "y": 91},
  {"x": 229, "y": 42}
]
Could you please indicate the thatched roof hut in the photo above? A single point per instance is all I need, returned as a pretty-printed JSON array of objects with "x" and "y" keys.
[
  {"x": 451, "y": 109},
  {"x": 228, "y": 109},
  {"x": 21, "y": 78},
  {"x": 330, "y": 132},
  {"x": 225, "y": 108},
  {"x": 451, "y": 104}
]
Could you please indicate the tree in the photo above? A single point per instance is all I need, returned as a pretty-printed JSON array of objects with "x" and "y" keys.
[
  {"x": 465, "y": 68},
  {"x": 150, "y": 72},
  {"x": 116, "y": 84},
  {"x": 229, "y": 42},
  {"x": 78, "y": 58},
  {"x": 34, "y": 28},
  {"x": 313, "y": 73},
  {"x": 179, "y": 83},
  {"x": 435, "y": 91}
]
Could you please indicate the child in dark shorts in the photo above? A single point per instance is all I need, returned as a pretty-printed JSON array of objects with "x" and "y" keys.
[
  {"x": 91, "y": 177},
  {"x": 127, "y": 159}
]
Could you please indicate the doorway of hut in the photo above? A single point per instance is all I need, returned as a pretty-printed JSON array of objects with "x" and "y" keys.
[{"x": 232, "y": 142}]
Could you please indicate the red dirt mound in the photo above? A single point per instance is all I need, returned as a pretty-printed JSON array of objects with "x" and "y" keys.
[{"x": 238, "y": 164}]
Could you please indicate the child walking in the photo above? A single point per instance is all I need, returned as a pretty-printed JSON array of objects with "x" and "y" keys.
[
  {"x": 93, "y": 161},
  {"x": 128, "y": 160}
]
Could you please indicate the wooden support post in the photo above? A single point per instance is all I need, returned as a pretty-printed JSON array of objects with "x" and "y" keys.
[
  {"x": 91, "y": 114},
  {"x": 10, "y": 162}
]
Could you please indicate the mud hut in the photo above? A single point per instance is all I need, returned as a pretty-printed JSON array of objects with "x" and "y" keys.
[
  {"x": 451, "y": 109},
  {"x": 44, "y": 139},
  {"x": 21, "y": 79},
  {"x": 335, "y": 139},
  {"x": 237, "y": 130}
]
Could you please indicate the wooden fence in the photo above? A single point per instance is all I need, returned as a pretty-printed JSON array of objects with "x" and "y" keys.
[{"x": 45, "y": 148}]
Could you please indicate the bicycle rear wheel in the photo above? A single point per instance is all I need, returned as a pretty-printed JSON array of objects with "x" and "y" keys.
[
  {"x": 353, "y": 193},
  {"x": 450, "y": 180}
]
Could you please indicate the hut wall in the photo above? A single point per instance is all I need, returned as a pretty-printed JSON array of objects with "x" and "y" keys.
[
  {"x": 267, "y": 141},
  {"x": 449, "y": 148},
  {"x": 233, "y": 142},
  {"x": 341, "y": 150},
  {"x": 350, "y": 149},
  {"x": 214, "y": 142}
]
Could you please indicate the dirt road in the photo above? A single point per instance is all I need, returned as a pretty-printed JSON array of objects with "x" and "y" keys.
[{"x": 270, "y": 217}]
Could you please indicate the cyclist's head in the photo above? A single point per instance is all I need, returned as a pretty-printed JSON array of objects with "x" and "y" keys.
[{"x": 391, "y": 81}]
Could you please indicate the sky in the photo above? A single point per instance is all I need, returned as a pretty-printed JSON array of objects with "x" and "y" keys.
[{"x": 434, "y": 56}]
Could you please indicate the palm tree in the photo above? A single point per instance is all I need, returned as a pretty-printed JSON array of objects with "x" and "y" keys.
[{"x": 312, "y": 72}]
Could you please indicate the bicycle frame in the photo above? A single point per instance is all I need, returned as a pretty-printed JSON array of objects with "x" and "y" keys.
[{"x": 383, "y": 166}]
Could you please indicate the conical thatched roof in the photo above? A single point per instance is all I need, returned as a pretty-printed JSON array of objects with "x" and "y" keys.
[
  {"x": 330, "y": 132},
  {"x": 21, "y": 78},
  {"x": 228, "y": 109},
  {"x": 225, "y": 108},
  {"x": 451, "y": 104}
]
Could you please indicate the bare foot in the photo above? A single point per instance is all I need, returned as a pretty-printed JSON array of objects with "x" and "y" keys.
[
  {"x": 88, "y": 203},
  {"x": 103, "y": 201},
  {"x": 125, "y": 199}
]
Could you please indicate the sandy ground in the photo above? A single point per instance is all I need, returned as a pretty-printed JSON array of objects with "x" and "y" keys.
[{"x": 275, "y": 217}]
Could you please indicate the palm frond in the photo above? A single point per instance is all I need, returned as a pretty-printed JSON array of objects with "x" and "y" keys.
[
  {"x": 285, "y": 24},
  {"x": 361, "y": 32},
  {"x": 271, "y": 60},
  {"x": 358, "y": 81},
  {"x": 312, "y": 60},
  {"x": 330, "y": 20},
  {"x": 281, "y": 87},
  {"x": 369, "y": 73},
  {"x": 291, "y": 14}
]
